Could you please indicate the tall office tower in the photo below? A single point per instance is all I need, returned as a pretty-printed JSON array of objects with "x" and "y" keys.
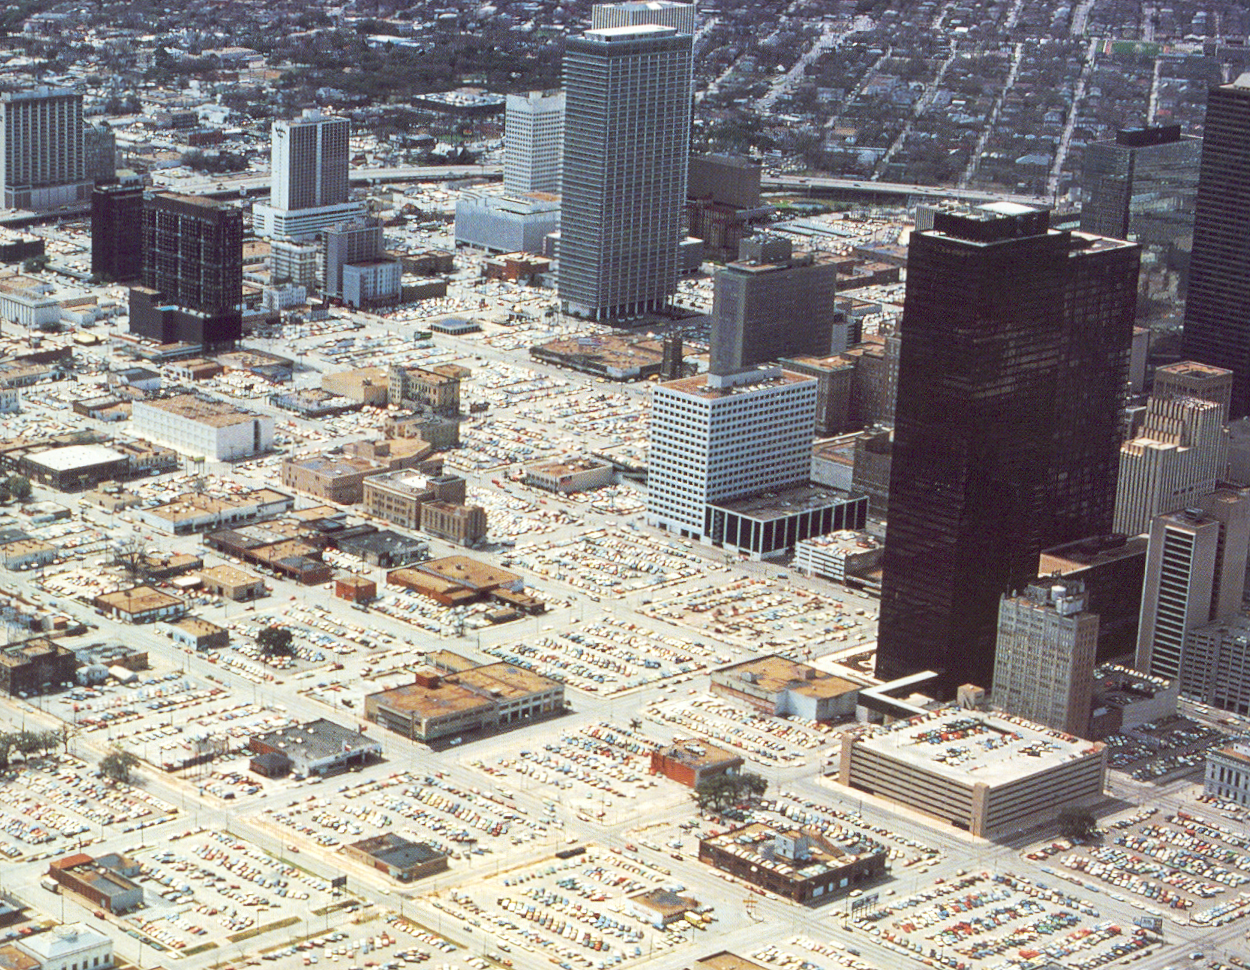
[
  {"x": 623, "y": 181},
  {"x": 356, "y": 267},
  {"x": 718, "y": 442},
  {"x": 349, "y": 242},
  {"x": 309, "y": 169},
  {"x": 771, "y": 304},
  {"x": 1141, "y": 185},
  {"x": 42, "y": 165},
  {"x": 1186, "y": 378},
  {"x": 1112, "y": 568},
  {"x": 682, "y": 17},
  {"x": 192, "y": 278},
  {"x": 117, "y": 232},
  {"x": 1217, "y": 306},
  {"x": 1179, "y": 456},
  {"x": 99, "y": 150},
  {"x": 1091, "y": 387},
  {"x": 532, "y": 142},
  {"x": 1195, "y": 571},
  {"x": 722, "y": 202},
  {"x": 1215, "y": 667},
  {"x": 1044, "y": 658},
  {"x": 1004, "y": 321}
]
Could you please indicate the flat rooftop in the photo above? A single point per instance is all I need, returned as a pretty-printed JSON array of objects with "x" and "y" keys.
[
  {"x": 757, "y": 843},
  {"x": 19, "y": 654},
  {"x": 726, "y": 961},
  {"x": 1238, "y": 751},
  {"x": 504, "y": 681},
  {"x": 1085, "y": 553},
  {"x": 609, "y": 350},
  {"x": 846, "y": 542},
  {"x": 697, "y": 754},
  {"x": 75, "y": 456},
  {"x": 698, "y": 386},
  {"x": 138, "y": 599},
  {"x": 395, "y": 850},
  {"x": 192, "y": 505},
  {"x": 336, "y": 466},
  {"x": 781, "y": 503},
  {"x": 432, "y": 702},
  {"x": 406, "y": 481},
  {"x": 467, "y": 572},
  {"x": 976, "y": 746},
  {"x": 229, "y": 575},
  {"x": 568, "y": 467},
  {"x": 317, "y": 739},
  {"x": 198, "y": 627},
  {"x": 775, "y": 674},
  {"x": 216, "y": 414}
]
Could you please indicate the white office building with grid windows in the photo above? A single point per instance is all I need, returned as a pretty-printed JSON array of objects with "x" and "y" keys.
[
  {"x": 533, "y": 137},
  {"x": 729, "y": 463}
]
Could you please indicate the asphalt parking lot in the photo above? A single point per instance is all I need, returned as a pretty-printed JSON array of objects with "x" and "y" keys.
[
  {"x": 576, "y": 912},
  {"x": 52, "y": 806}
]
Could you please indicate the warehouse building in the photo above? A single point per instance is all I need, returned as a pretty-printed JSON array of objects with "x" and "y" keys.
[
  {"x": 232, "y": 583},
  {"x": 108, "y": 887},
  {"x": 798, "y": 864},
  {"x": 140, "y": 604},
  {"x": 319, "y": 747},
  {"x": 399, "y": 858},
  {"x": 76, "y": 467},
  {"x": 492, "y": 696},
  {"x": 984, "y": 772},
  {"x": 198, "y": 634},
  {"x": 202, "y": 427},
  {"x": 779, "y": 687},
  {"x": 692, "y": 762},
  {"x": 572, "y": 475}
]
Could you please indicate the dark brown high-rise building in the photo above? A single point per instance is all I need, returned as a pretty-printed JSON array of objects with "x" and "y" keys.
[
  {"x": 1217, "y": 307},
  {"x": 1013, "y": 371},
  {"x": 117, "y": 232},
  {"x": 192, "y": 274}
]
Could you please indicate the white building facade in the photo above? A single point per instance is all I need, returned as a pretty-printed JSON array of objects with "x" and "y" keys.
[
  {"x": 1044, "y": 655},
  {"x": 206, "y": 429},
  {"x": 1228, "y": 773},
  {"x": 715, "y": 439},
  {"x": 75, "y": 946},
  {"x": 309, "y": 167},
  {"x": 1180, "y": 455},
  {"x": 533, "y": 139}
]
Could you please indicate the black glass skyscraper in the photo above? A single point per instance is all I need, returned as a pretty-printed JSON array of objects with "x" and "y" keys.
[
  {"x": 1011, "y": 334},
  {"x": 1217, "y": 307}
]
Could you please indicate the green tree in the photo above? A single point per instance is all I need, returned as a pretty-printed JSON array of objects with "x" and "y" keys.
[
  {"x": 275, "y": 641},
  {"x": 28, "y": 743},
  {"x": 18, "y": 486},
  {"x": 1078, "y": 824},
  {"x": 721, "y": 791},
  {"x": 8, "y": 741},
  {"x": 117, "y": 765}
]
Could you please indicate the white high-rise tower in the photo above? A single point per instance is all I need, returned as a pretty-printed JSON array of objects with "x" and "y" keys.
[
  {"x": 309, "y": 167},
  {"x": 533, "y": 135}
]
